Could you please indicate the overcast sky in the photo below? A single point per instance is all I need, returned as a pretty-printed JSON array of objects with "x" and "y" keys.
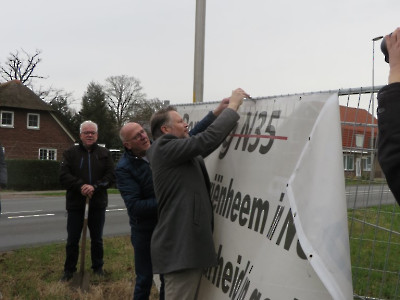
[{"x": 266, "y": 47}]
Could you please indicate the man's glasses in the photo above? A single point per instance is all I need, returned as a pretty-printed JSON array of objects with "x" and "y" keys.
[
  {"x": 139, "y": 135},
  {"x": 89, "y": 132}
]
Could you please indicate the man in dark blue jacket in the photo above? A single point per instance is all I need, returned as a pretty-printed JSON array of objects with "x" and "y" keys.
[
  {"x": 135, "y": 183},
  {"x": 87, "y": 170}
]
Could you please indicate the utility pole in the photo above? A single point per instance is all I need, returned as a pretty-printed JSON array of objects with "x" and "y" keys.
[
  {"x": 200, "y": 27},
  {"x": 372, "y": 173}
]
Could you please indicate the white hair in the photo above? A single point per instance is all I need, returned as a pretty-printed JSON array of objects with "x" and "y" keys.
[{"x": 86, "y": 123}]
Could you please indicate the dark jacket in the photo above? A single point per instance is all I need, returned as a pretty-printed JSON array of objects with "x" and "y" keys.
[
  {"x": 183, "y": 236},
  {"x": 135, "y": 183},
  {"x": 389, "y": 135},
  {"x": 3, "y": 169},
  {"x": 81, "y": 167}
]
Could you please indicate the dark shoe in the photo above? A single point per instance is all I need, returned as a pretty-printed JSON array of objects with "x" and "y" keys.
[
  {"x": 99, "y": 272},
  {"x": 67, "y": 276}
]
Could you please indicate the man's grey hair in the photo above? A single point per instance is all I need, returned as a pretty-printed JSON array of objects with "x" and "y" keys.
[{"x": 86, "y": 123}]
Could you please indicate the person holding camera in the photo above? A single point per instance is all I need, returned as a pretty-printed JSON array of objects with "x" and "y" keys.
[{"x": 389, "y": 116}]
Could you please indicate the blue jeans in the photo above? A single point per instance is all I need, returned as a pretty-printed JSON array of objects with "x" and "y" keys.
[
  {"x": 96, "y": 219},
  {"x": 140, "y": 238}
]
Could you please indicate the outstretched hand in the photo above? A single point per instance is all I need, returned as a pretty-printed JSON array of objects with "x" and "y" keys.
[
  {"x": 237, "y": 98},
  {"x": 222, "y": 105}
]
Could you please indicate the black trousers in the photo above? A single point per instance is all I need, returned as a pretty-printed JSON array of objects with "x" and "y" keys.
[
  {"x": 140, "y": 238},
  {"x": 96, "y": 219}
]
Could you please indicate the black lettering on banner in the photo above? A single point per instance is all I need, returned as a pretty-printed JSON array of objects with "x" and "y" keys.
[
  {"x": 263, "y": 117},
  {"x": 246, "y": 132},
  {"x": 247, "y": 129},
  {"x": 233, "y": 278},
  {"x": 227, "y": 142},
  {"x": 230, "y": 278},
  {"x": 291, "y": 231},
  {"x": 252, "y": 212},
  {"x": 271, "y": 130}
]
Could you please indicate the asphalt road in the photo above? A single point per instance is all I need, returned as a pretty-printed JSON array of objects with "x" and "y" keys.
[
  {"x": 359, "y": 196},
  {"x": 29, "y": 220}
]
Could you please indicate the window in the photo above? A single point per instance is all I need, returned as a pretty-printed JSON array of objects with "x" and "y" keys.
[
  {"x": 47, "y": 154},
  {"x": 359, "y": 140},
  {"x": 33, "y": 121},
  {"x": 7, "y": 119},
  {"x": 348, "y": 162},
  {"x": 366, "y": 163}
]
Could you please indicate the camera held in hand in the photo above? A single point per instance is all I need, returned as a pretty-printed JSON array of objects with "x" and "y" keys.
[{"x": 384, "y": 49}]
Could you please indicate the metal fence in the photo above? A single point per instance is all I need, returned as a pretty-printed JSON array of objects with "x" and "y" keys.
[{"x": 373, "y": 214}]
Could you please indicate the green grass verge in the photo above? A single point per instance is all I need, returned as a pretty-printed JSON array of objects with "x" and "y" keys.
[
  {"x": 34, "y": 273},
  {"x": 374, "y": 249}
]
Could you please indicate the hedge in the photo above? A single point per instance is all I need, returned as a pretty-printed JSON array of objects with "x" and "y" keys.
[{"x": 33, "y": 175}]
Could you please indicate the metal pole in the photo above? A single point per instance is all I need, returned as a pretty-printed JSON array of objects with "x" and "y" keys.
[
  {"x": 198, "y": 80},
  {"x": 372, "y": 174}
]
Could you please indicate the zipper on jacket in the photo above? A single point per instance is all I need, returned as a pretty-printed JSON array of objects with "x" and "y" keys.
[{"x": 90, "y": 171}]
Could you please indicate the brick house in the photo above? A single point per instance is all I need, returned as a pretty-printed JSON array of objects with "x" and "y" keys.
[
  {"x": 358, "y": 129},
  {"x": 29, "y": 128}
]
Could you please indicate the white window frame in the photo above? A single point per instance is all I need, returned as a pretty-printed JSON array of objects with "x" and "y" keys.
[
  {"x": 359, "y": 140},
  {"x": 12, "y": 119},
  {"x": 27, "y": 121},
  {"x": 345, "y": 159},
  {"x": 366, "y": 163},
  {"x": 47, "y": 153}
]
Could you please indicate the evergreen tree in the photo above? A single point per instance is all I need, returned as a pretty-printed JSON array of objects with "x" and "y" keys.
[{"x": 95, "y": 108}]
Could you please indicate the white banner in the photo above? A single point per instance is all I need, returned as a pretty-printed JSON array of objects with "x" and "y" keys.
[{"x": 279, "y": 202}]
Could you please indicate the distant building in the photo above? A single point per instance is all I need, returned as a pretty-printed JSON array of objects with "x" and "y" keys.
[
  {"x": 357, "y": 127},
  {"x": 29, "y": 128}
]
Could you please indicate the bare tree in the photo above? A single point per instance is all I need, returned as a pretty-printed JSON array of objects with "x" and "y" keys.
[
  {"x": 122, "y": 93},
  {"x": 22, "y": 69},
  {"x": 144, "y": 109}
]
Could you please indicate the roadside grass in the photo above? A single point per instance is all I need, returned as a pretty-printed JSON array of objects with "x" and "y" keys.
[
  {"x": 34, "y": 273},
  {"x": 374, "y": 249}
]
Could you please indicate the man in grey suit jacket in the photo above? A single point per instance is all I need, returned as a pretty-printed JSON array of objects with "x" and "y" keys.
[{"x": 182, "y": 244}]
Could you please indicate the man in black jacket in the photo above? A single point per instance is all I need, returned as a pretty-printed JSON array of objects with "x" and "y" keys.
[
  {"x": 389, "y": 118},
  {"x": 86, "y": 171}
]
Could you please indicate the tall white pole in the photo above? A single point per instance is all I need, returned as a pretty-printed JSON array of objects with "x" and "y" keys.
[
  {"x": 372, "y": 174},
  {"x": 198, "y": 79}
]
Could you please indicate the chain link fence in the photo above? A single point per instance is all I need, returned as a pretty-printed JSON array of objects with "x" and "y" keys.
[{"x": 373, "y": 214}]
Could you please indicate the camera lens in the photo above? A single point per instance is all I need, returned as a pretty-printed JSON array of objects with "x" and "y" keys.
[{"x": 385, "y": 50}]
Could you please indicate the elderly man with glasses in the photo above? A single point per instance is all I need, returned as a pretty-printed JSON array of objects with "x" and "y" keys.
[{"x": 87, "y": 170}]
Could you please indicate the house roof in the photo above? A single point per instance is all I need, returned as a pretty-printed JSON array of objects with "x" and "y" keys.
[
  {"x": 16, "y": 95},
  {"x": 356, "y": 115}
]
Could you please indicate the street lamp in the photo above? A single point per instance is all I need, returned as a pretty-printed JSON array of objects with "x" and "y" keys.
[{"x": 372, "y": 174}]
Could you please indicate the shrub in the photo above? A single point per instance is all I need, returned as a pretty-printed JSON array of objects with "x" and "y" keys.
[{"x": 33, "y": 175}]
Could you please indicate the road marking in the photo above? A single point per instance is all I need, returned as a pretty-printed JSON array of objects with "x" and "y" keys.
[
  {"x": 20, "y": 212},
  {"x": 31, "y": 216},
  {"x": 116, "y": 209}
]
